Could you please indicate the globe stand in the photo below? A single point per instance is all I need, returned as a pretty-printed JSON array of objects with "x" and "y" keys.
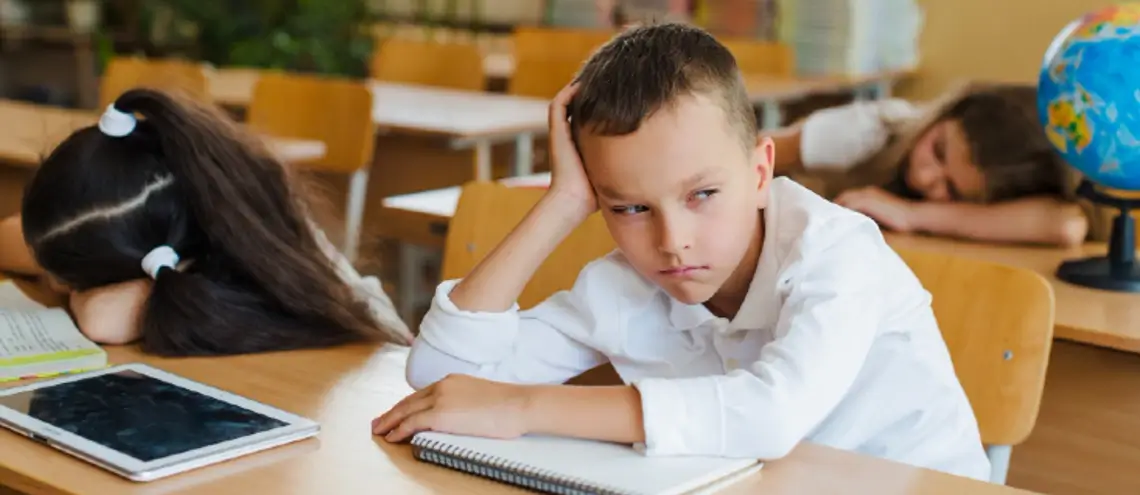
[{"x": 1118, "y": 271}]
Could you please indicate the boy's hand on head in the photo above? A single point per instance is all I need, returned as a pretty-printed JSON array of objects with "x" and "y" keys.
[
  {"x": 458, "y": 404},
  {"x": 888, "y": 210},
  {"x": 568, "y": 175}
]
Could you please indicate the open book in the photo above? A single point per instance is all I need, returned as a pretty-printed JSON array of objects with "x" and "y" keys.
[
  {"x": 36, "y": 341},
  {"x": 573, "y": 466}
]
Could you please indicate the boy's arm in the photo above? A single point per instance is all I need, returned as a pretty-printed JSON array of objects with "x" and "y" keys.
[
  {"x": 474, "y": 326},
  {"x": 1038, "y": 220},
  {"x": 15, "y": 255}
]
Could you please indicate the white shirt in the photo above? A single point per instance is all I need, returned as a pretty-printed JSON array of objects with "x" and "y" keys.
[
  {"x": 835, "y": 342},
  {"x": 839, "y": 137}
]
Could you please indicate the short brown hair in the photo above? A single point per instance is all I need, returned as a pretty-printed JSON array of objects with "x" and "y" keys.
[
  {"x": 649, "y": 67},
  {"x": 1007, "y": 141}
]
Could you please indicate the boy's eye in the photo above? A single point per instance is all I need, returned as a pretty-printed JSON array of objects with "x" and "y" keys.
[
  {"x": 704, "y": 194},
  {"x": 629, "y": 209}
]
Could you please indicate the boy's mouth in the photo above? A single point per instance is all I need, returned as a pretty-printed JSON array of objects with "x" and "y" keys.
[{"x": 679, "y": 271}]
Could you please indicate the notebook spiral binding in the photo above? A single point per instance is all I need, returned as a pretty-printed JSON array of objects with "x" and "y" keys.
[{"x": 514, "y": 473}]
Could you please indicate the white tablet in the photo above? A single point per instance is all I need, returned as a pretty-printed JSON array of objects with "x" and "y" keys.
[{"x": 143, "y": 423}]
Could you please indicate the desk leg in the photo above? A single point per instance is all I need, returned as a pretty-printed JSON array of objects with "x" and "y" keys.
[
  {"x": 524, "y": 155},
  {"x": 408, "y": 289},
  {"x": 354, "y": 214},
  {"x": 772, "y": 117},
  {"x": 999, "y": 462},
  {"x": 881, "y": 90},
  {"x": 483, "y": 160}
]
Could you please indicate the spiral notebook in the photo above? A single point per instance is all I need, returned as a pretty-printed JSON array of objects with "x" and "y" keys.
[{"x": 579, "y": 467}]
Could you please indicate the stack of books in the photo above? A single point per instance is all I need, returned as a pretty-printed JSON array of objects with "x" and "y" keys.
[{"x": 854, "y": 36}]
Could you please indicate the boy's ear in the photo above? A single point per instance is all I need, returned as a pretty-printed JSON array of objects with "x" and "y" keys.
[{"x": 764, "y": 158}]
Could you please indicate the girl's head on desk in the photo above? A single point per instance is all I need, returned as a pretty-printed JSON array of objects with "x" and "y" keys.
[{"x": 184, "y": 197}]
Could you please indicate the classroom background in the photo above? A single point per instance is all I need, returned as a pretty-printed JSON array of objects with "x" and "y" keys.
[{"x": 434, "y": 98}]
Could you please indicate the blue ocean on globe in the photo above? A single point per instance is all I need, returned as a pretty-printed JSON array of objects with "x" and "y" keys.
[{"x": 1089, "y": 96}]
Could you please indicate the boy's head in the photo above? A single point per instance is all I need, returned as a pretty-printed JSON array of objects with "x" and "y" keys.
[
  {"x": 668, "y": 138},
  {"x": 987, "y": 146}
]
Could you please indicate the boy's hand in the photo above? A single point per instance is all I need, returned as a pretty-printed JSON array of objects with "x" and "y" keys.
[
  {"x": 568, "y": 175},
  {"x": 888, "y": 210},
  {"x": 458, "y": 404}
]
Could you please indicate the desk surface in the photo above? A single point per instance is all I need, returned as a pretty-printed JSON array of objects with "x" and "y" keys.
[
  {"x": 344, "y": 389},
  {"x": 418, "y": 109},
  {"x": 28, "y": 132},
  {"x": 1103, "y": 318}
]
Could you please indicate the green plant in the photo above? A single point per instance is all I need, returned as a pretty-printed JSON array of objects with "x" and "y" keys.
[{"x": 316, "y": 36}]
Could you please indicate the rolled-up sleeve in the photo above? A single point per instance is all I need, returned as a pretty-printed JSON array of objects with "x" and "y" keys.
[
  {"x": 532, "y": 346},
  {"x": 827, "y": 324}
]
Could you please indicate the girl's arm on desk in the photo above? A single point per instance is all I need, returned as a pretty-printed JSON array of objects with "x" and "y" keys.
[
  {"x": 15, "y": 256},
  {"x": 1030, "y": 220}
]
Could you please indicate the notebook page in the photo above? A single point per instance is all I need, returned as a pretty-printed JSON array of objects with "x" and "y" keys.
[
  {"x": 606, "y": 464},
  {"x": 32, "y": 333},
  {"x": 11, "y": 297}
]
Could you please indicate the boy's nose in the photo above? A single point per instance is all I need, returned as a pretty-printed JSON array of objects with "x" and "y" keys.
[{"x": 674, "y": 236}]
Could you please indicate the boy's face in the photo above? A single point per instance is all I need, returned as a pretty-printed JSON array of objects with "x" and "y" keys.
[{"x": 681, "y": 196}]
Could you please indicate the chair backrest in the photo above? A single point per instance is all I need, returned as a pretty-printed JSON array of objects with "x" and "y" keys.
[
  {"x": 761, "y": 57},
  {"x": 546, "y": 43},
  {"x": 426, "y": 63},
  {"x": 997, "y": 321},
  {"x": 542, "y": 78},
  {"x": 546, "y": 59},
  {"x": 124, "y": 73},
  {"x": 488, "y": 211},
  {"x": 337, "y": 112}
]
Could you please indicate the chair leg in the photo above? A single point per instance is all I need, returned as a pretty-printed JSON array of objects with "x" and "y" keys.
[
  {"x": 999, "y": 462},
  {"x": 354, "y": 213}
]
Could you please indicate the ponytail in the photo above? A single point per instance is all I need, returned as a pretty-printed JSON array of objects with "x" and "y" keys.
[{"x": 259, "y": 280}]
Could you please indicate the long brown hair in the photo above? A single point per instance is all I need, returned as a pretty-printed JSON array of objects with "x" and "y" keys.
[
  {"x": 1005, "y": 137},
  {"x": 187, "y": 177}
]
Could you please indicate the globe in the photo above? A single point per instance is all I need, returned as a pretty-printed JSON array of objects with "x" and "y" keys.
[{"x": 1088, "y": 95}]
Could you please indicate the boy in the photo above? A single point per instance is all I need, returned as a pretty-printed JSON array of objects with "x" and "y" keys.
[{"x": 745, "y": 313}]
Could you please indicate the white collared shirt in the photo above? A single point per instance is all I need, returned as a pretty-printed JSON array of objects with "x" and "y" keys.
[{"x": 835, "y": 343}]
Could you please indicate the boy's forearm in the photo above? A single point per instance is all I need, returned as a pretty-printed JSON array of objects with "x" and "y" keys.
[
  {"x": 1031, "y": 220},
  {"x": 496, "y": 282},
  {"x": 611, "y": 414}
]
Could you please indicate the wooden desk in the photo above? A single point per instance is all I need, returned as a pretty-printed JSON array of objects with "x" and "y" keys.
[
  {"x": 467, "y": 119},
  {"x": 28, "y": 132},
  {"x": 1097, "y": 317},
  {"x": 343, "y": 389}
]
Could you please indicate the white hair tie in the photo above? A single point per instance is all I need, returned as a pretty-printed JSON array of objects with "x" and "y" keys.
[
  {"x": 157, "y": 258},
  {"x": 115, "y": 123}
]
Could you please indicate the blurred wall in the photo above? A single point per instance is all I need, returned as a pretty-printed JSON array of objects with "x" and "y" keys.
[{"x": 1001, "y": 40}]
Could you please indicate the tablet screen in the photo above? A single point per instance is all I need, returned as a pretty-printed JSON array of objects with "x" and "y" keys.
[{"x": 140, "y": 416}]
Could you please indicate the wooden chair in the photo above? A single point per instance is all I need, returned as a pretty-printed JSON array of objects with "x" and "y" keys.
[
  {"x": 547, "y": 59},
  {"x": 761, "y": 57},
  {"x": 124, "y": 73},
  {"x": 488, "y": 211},
  {"x": 545, "y": 43},
  {"x": 446, "y": 65},
  {"x": 336, "y": 112},
  {"x": 997, "y": 321}
]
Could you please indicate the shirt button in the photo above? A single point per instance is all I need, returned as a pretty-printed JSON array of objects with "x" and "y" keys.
[{"x": 731, "y": 364}]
